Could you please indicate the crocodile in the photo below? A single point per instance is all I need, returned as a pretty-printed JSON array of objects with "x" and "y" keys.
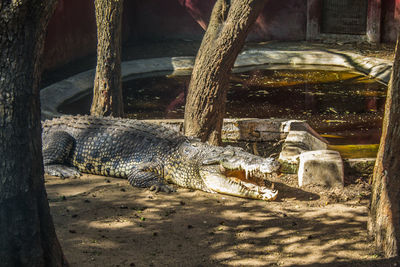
[{"x": 150, "y": 155}]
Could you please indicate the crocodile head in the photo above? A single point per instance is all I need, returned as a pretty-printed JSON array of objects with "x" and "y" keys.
[{"x": 230, "y": 170}]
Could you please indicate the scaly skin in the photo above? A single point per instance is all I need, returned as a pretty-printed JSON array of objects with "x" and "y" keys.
[{"x": 148, "y": 155}]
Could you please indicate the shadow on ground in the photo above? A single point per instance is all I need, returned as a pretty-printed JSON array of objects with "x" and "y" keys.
[{"x": 104, "y": 221}]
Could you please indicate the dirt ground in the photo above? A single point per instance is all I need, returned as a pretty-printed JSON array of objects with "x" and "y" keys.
[{"x": 103, "y": 221}]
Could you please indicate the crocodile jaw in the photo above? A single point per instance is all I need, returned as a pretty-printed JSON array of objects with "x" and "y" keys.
[
  {"x": 215, "y": 163},
  {"x": 219, "y": 183},
  {"x": 234, "y": 158}
]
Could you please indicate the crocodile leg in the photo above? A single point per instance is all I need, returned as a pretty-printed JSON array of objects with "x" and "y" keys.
[
  {"x": 144, "y": 175},
  {"x": 57, "y": 147}
]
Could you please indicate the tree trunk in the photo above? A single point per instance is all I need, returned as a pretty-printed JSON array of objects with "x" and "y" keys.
[
  {"x": 107, "y": 91},
  {"x": 229, "y": 25},
  {"x": 27, "y": 235},
  {"x": 384, "y": 220}
]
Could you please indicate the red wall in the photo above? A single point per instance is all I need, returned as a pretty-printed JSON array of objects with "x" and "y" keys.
[
  {"x": 390, "y": 20},
  {"x": 167, "y": 19},
  {"x": 161, "y": 19},
  {"x": 72, "y": 29},
  {"x": 71, "y": 32},
  {"x": 281, "y": 20}
]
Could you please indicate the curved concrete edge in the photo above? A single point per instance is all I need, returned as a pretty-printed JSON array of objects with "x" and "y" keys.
[
  {"x": 374, "y": 67},
  {"x": 54, "y": 95}
]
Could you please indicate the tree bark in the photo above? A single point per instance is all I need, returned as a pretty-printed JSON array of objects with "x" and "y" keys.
[
  {"x": 107, "y": 91},
  {"x": 229, "y": 25},
  {"x": 27, "y": 235},
  {"x": 384, "y": 219}
]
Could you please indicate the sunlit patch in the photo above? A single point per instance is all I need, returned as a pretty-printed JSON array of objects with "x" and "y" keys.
[
  {"x": 223, "y": 255},
  {"x": 332, "y": 136},
  {"x": 111, "y": 224},
  {"x": 248, "y": 262},
  {"x": 356, "y": 151}
]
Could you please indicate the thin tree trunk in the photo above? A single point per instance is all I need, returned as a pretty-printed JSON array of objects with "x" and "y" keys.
[
  {"x": 384, "y": 219},
  {"x": 27, "y": 235},
  {"x": 107, "y": 91},
  {"x": 229, "y": 25}
]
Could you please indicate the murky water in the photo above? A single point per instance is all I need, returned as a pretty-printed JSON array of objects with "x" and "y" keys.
[{"x": 346, "y": 107}]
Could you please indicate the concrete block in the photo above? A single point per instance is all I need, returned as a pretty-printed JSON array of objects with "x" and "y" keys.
[
  {"x": 294, "y": 125},
  {"x": 321, "y": 167},
  {"x": 298, "y": 142},
  {"x": 258, "y": 130}
]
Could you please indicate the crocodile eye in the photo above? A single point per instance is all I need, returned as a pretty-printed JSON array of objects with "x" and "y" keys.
[{"x": 189, "y": 151}]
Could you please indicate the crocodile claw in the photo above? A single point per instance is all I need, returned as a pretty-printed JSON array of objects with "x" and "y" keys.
[
  {"x": 62, "y": 171},
  {"x": 161, "y": 188}
]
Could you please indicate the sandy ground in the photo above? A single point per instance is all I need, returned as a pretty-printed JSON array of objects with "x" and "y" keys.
[{"x": 103, "y": 221}]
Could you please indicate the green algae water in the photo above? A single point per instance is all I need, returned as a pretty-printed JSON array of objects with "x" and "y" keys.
[{"x": 345, "y": 107}]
